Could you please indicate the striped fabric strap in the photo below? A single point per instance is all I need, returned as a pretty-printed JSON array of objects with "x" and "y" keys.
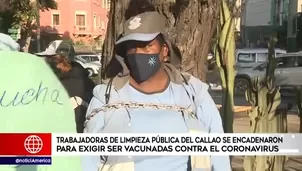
[{"x": 78, "y": 101}]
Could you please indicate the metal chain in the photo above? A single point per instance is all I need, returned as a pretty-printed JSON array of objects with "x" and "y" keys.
[{"x": 120, "y": 105}]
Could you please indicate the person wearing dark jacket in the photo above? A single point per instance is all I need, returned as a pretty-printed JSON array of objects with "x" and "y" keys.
[
  {"x": 77, "y": 84},
  {"x": 75, "y": 80}
]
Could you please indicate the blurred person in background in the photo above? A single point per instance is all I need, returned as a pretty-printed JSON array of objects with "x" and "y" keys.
[
  {"x": 149, "y": 95},
  {"x": 8, "y": 44},
  {"x": 73, "y": 77}
]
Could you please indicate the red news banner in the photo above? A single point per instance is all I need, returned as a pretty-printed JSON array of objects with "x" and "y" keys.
[{"x": 25, "y": 148}]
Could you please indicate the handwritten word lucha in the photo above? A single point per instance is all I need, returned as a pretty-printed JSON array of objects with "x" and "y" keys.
[{"x": 40, "y": 94}]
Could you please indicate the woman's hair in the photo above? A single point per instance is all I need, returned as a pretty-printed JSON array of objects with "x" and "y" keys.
[{"x": 62, "y": 63}]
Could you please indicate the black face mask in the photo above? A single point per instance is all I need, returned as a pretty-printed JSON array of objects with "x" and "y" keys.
[{"x": 142, "y": 66}]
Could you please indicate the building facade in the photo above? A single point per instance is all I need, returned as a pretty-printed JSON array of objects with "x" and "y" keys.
[
  {"x": 263, "y": 17},
  {"x": 256, "y": 13},
  {"x": 256, "y": 22},
  {"x": 80, "y": 20}
]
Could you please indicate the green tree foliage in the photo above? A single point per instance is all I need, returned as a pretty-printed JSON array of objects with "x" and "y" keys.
[
  {"x": 22, "y": 14},
  {"x": 24, "y": 11}
]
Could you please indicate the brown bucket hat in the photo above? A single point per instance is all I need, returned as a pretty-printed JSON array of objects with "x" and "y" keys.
[{"x": 145, "y": 27}]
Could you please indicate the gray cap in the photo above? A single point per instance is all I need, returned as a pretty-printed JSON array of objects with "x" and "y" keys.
[
  {"x": 51, "y": 49},
  {"x": 143, "y": 27},
  {"x": 62, "y": 47}
]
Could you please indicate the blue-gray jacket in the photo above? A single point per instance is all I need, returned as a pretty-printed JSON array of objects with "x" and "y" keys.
[{"x": 129, "y": 111}]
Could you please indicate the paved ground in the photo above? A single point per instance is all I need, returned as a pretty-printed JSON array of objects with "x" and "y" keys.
[{"x": 241, "y": 125}]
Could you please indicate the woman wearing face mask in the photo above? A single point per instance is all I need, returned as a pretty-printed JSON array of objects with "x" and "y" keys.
[{"x": 148, "y": 95}]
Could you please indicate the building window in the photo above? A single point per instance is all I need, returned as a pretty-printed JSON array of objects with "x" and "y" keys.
[
  {"x": 80, "y": 21},
  {"x": 94, "y": 21},
  {"x": 98, "y": 22},
  {"x": 55, "y": 19},
  {"x": 103, "y": 25},
  {"x": 106, "y": 4}
]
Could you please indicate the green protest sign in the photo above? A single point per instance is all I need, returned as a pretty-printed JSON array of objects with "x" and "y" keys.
[{"x": 32, "y": 100}]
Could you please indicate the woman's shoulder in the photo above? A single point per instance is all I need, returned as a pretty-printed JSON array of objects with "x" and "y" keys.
[
  {"x": 195, "y": 82},
  {"x": 77, "y": 65},
  {"x": 78, "y": 69}
]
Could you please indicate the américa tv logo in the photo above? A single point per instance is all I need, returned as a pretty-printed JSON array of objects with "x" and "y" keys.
[
  {"x": 33, "y": 144},
  {"x": 29, "y": 148}
]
